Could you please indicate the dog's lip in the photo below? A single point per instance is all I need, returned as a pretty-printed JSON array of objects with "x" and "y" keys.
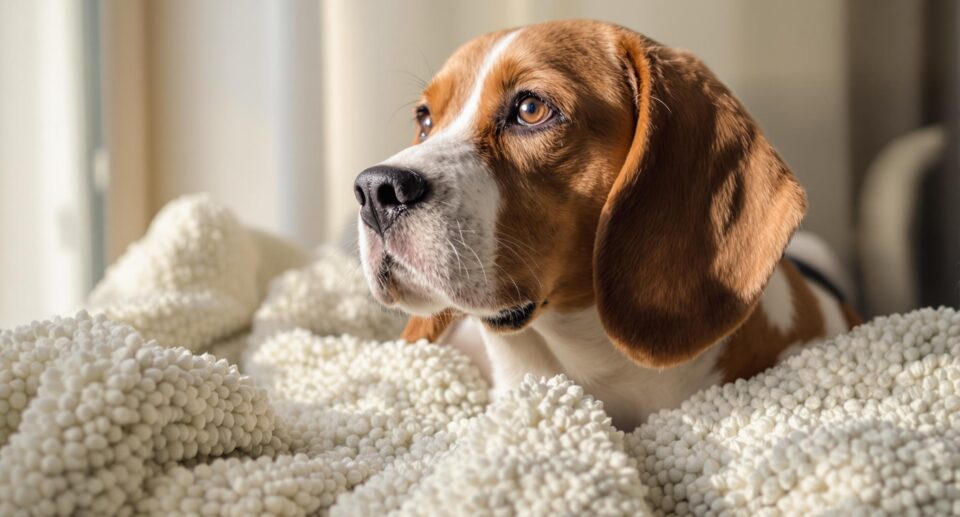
[
  {"x": 396, "y": 282},
  {"x": 513, "y": 318},
  {"x": 383, "y": 285}
]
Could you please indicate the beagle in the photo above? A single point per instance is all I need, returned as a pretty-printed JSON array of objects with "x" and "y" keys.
[{"x": 587, "y": 201}]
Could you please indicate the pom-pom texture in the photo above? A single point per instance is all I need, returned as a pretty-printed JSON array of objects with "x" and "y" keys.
[{"x": 121, "y": 411}]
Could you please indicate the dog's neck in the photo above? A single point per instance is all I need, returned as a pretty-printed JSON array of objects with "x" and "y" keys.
[
  {"x": 576, "y": 345},
  {"x": 791, "y": 313}
]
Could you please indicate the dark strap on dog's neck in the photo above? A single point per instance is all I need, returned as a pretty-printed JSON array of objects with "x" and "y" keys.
[{"x": 817, "y": 277}]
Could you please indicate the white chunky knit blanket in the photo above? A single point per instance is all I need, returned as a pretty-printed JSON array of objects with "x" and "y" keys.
[{"x": 139, "y": 409}]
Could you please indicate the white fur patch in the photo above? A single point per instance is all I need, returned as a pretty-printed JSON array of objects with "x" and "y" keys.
[
  {"x": 833, "y": 320},
  {"x": 575, "y": 344},
  {"x": 469, "y": 111},
  {"x": 777, "y": 301},
  {"x": 513, "y": 356}
]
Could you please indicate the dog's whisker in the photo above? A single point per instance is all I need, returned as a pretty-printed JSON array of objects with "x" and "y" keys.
[
  {"x": 654, "y": 97},
  {"x": 483, "y": 270},
  {"x": 516, "y": 286},
  {"x": 457, "y": 255},
  {"x": 526, "y": 248},
  {"x": 526, "y": 263},
  {"x": 511, "y": 246},
  {"x": 417, "y": 80},
  {"x": 506, "y": 238},
  {"x": 516, "y": 247}
]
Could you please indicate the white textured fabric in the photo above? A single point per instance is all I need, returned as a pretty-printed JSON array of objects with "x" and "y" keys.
[
  {"x": 329, "y": 296},
  {"x": 98, "y": 418},
  {"x": 869, "y": 421},
  {"x": 195, "y": 278},
  {"x": 546, "y": 449},
  {"x": 94, "y": 416}
]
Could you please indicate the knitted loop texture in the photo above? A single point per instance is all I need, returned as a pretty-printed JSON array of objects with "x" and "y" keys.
[{"x": 220, "y": 371}]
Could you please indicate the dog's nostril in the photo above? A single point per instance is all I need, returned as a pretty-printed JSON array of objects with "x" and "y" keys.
[
  {"x": 387, "y": 195},
  {"x": 358, "y": 192}
]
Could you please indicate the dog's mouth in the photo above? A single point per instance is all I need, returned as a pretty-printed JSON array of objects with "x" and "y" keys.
[
  {"x": 403, "y": 276},
  {"x": 513, "y": 318},
  {"x": 394, "y": 288}
]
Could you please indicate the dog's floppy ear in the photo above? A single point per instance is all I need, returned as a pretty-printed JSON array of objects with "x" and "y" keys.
[
  {"x": 697, "y": 218},
  {"x": 430, "y": 327}
]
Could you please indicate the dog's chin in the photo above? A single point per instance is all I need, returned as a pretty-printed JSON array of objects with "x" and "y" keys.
[
  {"x": 392, "y": 292},
  {"x": 420, "y": 305},
  {"x": 389, "y": 285}
]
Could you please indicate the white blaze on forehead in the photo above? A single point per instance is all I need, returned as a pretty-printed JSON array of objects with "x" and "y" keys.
[
  {"x": 453, "y": 139},
  {"x": 469, "y": 110}
]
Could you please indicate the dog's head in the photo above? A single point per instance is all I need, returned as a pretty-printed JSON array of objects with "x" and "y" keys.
[{"x": 577, "y": 163}]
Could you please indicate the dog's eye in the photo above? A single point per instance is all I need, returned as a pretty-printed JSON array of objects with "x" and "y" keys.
[
  {"x": 424, "y": 121},
  {"x": 532, "y": 111}
]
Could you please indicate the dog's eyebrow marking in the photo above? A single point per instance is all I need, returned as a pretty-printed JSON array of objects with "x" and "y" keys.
[{"x": 469, "y": 110}]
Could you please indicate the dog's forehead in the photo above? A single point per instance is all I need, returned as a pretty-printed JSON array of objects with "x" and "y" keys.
[
  {"x": 553, "y": 52},
  {"x": 451, "y": 86}
]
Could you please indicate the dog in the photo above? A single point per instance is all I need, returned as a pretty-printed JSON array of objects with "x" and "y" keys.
[{"x": 581, "y": 199}]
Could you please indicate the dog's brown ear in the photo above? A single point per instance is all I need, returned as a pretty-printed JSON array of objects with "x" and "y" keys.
[
  {"x": 430, "y": 327},
  {"x": 697, "y": 218}
]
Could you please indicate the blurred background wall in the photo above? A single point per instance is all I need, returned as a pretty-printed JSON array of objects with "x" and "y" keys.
[{"x": 274, "y": 106}]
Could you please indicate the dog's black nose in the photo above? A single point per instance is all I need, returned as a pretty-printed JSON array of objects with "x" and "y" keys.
[{"x": 386, "y": 192}]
